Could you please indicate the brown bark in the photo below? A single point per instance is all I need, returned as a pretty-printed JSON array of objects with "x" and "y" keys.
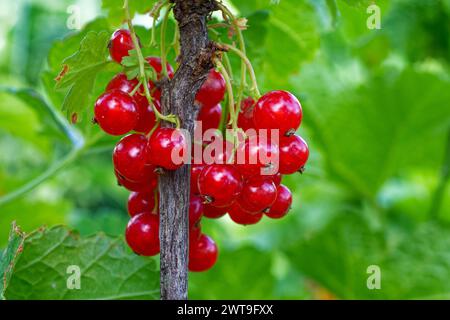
[{"x": 195, "y": 61}]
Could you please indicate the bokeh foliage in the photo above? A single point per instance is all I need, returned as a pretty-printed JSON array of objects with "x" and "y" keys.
[{"x": 377, "y": 119}]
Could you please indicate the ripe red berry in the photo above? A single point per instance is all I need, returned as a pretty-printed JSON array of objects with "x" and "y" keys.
[
  {"x": 166, "y": 148},
  {"x": 210, "y": 117},
  {"x": 202, "y": 254},
  {"x": 196, "y": 169},
  {"x": 294, "y": 154},
  {"x": 218, "y": 151},
  {"x": 282, "y": 204},
  {"x": 278, "y": 110},
  {"x": 147, "y": 184},
  {"x": 257, "y": 156},
  {"x": 214, "y": 212},
  {"x": 245, "y": 119},
  {"x": 212, "y": 91},
  {"x": 119, "y": 45},
  {"x": 219, "y": 184},
  {"x": 116, "y": 112},
  {"x": 277, "y": 179},
  {"x": 156, "y": 64},
  {"x": 195, "y": 210},
  {"x": 194, "y": 233},
  {"x": 240, "y": 216},
  {"x": 142, "y": 234},
  {"x": 130, "y": 156},
  {"x": 139, "y": 202},
  {"x": 258, "y": 194}
]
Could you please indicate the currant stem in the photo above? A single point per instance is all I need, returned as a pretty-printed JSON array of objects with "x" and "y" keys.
[
  {"x": 136, "y": 88},
  {"x": 156, "y": 10},
  {"x": 229, "y": 87},
  {"x": 163, "y": 42},
  {"x": 250, "y": 69}
]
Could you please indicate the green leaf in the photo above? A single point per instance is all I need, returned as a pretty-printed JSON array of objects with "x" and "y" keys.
[
  {"x": 80, "y": 70},
  {"x": 10, "y": 257},
  {"x": 109, "y": 270}
]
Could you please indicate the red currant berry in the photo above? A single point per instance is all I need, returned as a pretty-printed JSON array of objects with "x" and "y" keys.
[
  {"x": 212, "y": 91},
  {"x": 195, "y": 210},
  {"x": 202, "y": 254},
  {"x": 194, "y": 233},
  {"x": 282, "y": 204},
  {"x": 277, "y": 179},
  {"x": 196, "y": 169},
  {"x": 148, "y": 183},
  {"x": 130, "y": 156},
  {"x": 121, "y": 82},
  {"x": 214, "y": 212},
  {"x": 147, "y": 118},
  {"x": 258, "y": 194},
  {"x": 240, "y": 216},
  {"x": 245, "y": 119},
  {"x": 142, "y": 234},
  {"x": 210, "y": 117},
  {"x": 119, "y": 45},
  {"x": 116, "y": 112},
  {"x": 219, "y": 184},
  {"x": 278, "y": 110},
  {"x": 218, "y": 152},
  {"x": 156, "y": 64},
  {"x": 257, "y": 156},
  {"x": 166, "y": 148},
  {"x": 294, "y": 154},
  {"x": 139, "y": 202}
]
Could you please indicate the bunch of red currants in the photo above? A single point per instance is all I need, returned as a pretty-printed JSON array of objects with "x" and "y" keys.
[{"x": 241, "y": 177}]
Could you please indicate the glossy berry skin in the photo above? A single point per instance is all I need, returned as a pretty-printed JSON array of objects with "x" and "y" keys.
[
  {"x": 142, "y": 234},
  {"x": 130, "y": 156},
  {"x": 214, "y": 212},
  {"x": 245, "y": 118},
  {"x": 196, "y": 169},
  {"x": 258, "y": 194},
  {"x": 195, "y": 210},
  {"x": 194, "y": 233},
  {"x": 277, "y": 179},
  {"x": 210, "y": 117},
  {"x": 120, "y": 44},
  {"x": 166, "y": 148},
  {"x": 218, "y": 152},
  {"x": 294, "y": 154},
  {"x": 220, "y": 184},
  {"x": 243, "y": 217},
  {"x": 278, "y": 110},
  {"x": 212, "y": 91},
  {"x": 259, "y": 155},
  {"x": 156, "y": 64},
  {"x": 282, "y": 204},
  {"x": 148, "y": 183},
  {"x": 139, "y": 202},
  {"x": 116, "y": 112},
  {"x": 202, "y": 254}
]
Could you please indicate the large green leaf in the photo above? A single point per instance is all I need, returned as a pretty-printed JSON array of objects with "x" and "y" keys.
[
  {"x": 109, "y": 270},
  {"x": 384, "y": 126}
]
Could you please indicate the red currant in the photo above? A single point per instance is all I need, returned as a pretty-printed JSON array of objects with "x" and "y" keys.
[
  {"x": 119, "y": 45},
  {"x": 282, "y": 204},
  {"x": 212, "y": 91},
  {"x": 194, "y": 233},
  {"x": 220, "y": 184},
  {"x": 195, "y": 210},
  {"x": 294, "y": 154},
  {"x": 202, "y": 254},
  {"x": 277, "y": 179},
  {"x": 257, "y": 156},
  {"x": 142, "y": 234},
  {"x": 245, "y": 119},
  {"x": 156, "y": 64},
  {"x": 210, "y": 117},
  {"x": 147, "y": 184},
  {"x": 240, "y": 216},
  {"x": 218, "y": 152},
  {"x": 278, "y": 110},
  {"x": 116, "y": 112},
  {"x": 130, "y": 156},
  {"x": 166, "y": 148},
  {"x": 195, "y": 172},
  {"x": 139, "y": 202},
  {"x": 214, "y": 212},
  {"x": 258, "y": 194}
]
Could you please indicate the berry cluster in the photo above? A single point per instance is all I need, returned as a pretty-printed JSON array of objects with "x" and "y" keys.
[{"x": 242, "y": 175}]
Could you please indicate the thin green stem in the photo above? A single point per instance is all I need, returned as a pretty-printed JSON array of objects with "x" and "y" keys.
[
  {"x": 156, "y": 10},
  {"x": 176, "y": 41},
  {"x": 229, "y": 88},
  {"x": 163, "y": 42},
  {"x": 250, "y": 69},
  {"x": 136, "y": 88}
]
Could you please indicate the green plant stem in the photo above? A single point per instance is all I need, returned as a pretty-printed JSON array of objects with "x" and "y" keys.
[
  {"x": 249, "y": 67},
  {"x": 229, "y": 87},
  {"x": 440, "y": 189},
  {"x": 176, "y": 41},
  {"x": 163, "y": 42},
  {"x": 155, "y": 15}
]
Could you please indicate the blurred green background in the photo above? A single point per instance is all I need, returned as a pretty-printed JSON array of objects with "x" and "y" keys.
[{"x": 377, "y": 120}]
